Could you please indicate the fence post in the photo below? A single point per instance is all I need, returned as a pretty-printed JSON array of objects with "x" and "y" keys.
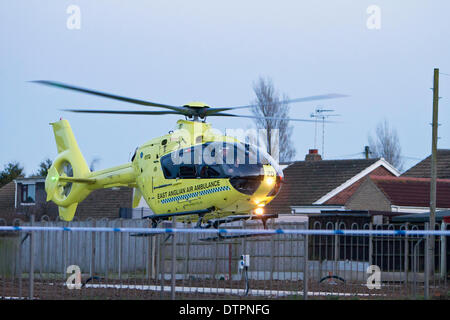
[
  {"x": 153, "y": 258},
  {"x": 216, "y": 254},
  {"x": 188, "y": 249},
  {"x": 370, "y": 245},
  {"x": 416, "y": 265},
  {"x": 19, "y": 262},
  {"x": 427, "y": 264},
  {"x": 159, "y": 265},
  {"x": 120, "y": 236},
  {"x": 443, "y": 252},
  {"x": 272, "y": 258},
  {"x": 406, "y": 262},
  {"x": 305, "y": 267},
  {"x": 92, "y": 267},
  {"x": 336, "y": 250},
  {"x": 174, "y": 257},
  {"x": 106, "y": 243},
  {"x": 148, "y": 264},
  {"x": 31, "y": 274}
]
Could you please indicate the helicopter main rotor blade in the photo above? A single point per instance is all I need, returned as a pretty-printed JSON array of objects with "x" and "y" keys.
[
  {"x": 304, "y": 99},
  {"x": 256, "y": 117},
  {"x": 110, "y": 96},
  {"x": 123, "y": 112},
  {"x": 213, "y": 111}
]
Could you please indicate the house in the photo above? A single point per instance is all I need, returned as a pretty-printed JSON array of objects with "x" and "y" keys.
[
  {"x": 399, "y": 194},
  {"x": 25, "y": 196},
  {"x": 313, "y": 185},
  {"x": 30, "y": 196},
  {"x": 408, "y": 193},
  {"x": 423, "y": 168}
]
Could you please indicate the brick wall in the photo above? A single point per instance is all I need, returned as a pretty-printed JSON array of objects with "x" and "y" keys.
[
  {"x": 7, "y": 196},
  {"x": 368, "y": 197},
  {"x": 342, "y": 197},
  {"x": 105, "y": 203}
]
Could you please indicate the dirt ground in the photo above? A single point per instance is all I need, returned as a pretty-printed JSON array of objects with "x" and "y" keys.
[{"x": 138, "y": 288}]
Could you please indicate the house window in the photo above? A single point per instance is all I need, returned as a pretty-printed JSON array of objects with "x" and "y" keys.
[{"x": 28, "y": 193}]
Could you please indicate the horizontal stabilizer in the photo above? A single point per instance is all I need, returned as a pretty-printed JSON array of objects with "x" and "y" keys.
[{"x": 79, "y": 180}]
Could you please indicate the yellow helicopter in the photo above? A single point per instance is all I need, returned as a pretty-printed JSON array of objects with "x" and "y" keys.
[{"x": 191, "y": 172}]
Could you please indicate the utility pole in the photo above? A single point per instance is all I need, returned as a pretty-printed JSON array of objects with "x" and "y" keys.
[{"x": 433, "y": 168}]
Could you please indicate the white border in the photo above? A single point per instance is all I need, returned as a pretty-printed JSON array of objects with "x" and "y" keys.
[
  {"x": 315, "y": 209},
  {"x": 29, "y": 180},
  {"x": 411, "y": 209}
]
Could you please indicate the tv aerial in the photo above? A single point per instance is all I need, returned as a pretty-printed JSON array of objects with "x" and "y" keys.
[{"x": 321, "y": 114}]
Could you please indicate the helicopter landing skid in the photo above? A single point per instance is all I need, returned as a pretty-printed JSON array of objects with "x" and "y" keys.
[
  {"x": 213, "y": 223},
  {"x": 221, "y": 237}
]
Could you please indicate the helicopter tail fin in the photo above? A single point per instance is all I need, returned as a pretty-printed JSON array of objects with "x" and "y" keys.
[{"x": 69, "y": 174}]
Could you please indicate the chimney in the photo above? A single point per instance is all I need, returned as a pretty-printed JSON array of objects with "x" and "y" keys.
[{"x": 313, "y": 155}]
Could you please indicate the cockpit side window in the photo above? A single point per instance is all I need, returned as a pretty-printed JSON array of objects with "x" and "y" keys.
[
  {"x": 166, "y": 172},
  {"x": 210, "y": 171},
  {"x": 187, "y": 171},
  {"x": 169, "y": 170}
]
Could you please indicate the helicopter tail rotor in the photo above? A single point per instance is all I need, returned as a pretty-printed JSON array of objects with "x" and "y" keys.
[{"x": 68, "y": 175}]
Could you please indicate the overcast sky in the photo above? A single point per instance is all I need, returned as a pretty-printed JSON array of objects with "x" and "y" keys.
[{"x": 174, "y": 52}]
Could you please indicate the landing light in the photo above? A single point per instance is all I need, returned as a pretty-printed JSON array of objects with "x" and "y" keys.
[
  {"x": 270, "y": 181},
  {"x": 259, "y": 211}
]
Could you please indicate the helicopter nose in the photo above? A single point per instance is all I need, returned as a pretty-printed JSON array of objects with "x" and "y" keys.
[
  {"x": 262, "y": 183},
  {"x": 276, "y": 185},
  {"x": 269, "y": 186},
  {"x": 272, "y": 180}
]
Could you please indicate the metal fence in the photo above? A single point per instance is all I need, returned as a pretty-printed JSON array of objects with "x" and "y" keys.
[
  {"x": 126, "y": 259},
  {"x": 406, "y": 271}
]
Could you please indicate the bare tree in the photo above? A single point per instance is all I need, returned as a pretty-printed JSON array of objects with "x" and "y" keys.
[
  {"x": 268, "y": 104},
  {"x": 386, "y": 144}
]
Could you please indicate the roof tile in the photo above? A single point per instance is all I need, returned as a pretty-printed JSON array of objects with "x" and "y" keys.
[
  {"x": 307, "y": 181},
  {"x": 423, "y": 168},
  {"x": 414, "y": 192}
]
